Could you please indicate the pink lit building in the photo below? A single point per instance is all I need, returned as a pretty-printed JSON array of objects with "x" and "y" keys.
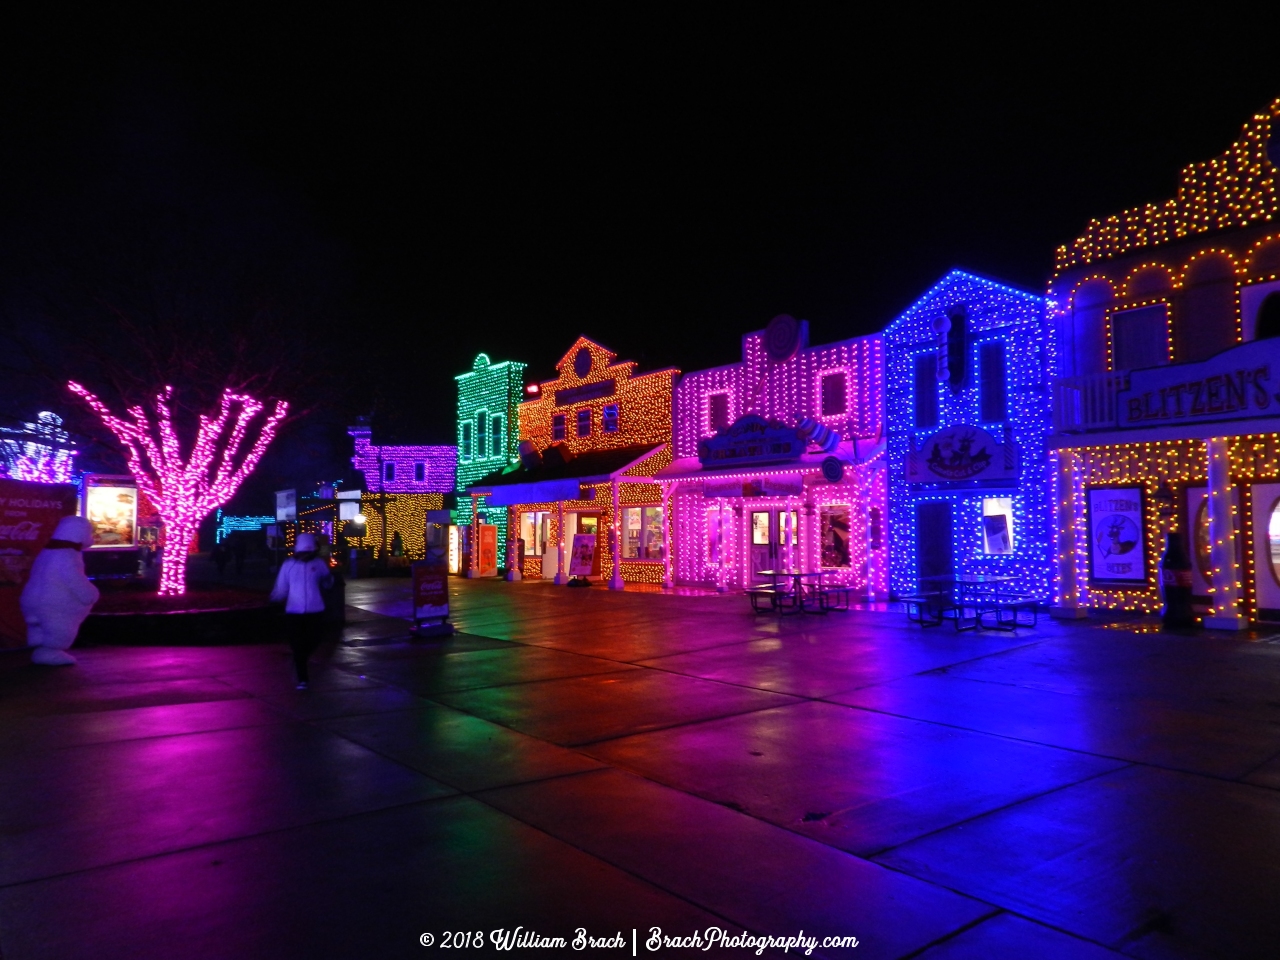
[
  {"x": 779, "y": 465},
  {"x": 403, "y": 469}
]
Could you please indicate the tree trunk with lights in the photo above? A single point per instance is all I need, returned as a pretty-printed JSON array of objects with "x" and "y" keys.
[{"x": 184, "y": 492}]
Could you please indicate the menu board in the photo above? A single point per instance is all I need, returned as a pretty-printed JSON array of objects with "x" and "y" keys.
[
  {"x": 1117, "y": 535},
  {"x": 111, "y": 507}
]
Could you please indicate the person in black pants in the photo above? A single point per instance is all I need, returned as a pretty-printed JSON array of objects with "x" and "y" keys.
[{"x": 300, "y": 586}]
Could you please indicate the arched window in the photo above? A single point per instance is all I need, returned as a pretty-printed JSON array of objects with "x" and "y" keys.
[{"x": 1268, "y": 323}]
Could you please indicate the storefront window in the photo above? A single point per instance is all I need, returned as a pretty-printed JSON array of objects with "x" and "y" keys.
[
  {"x": 760, "y": 527},
  {"x": 718, "y": 410},
  {"x": 609, "y": 418},
  {"x": 835, "y": 525},
  {"x": 557, "y": 426},
  {"x": 642, "y": 533},
  {"x": 535, "y": 531},
  {"x": 584, "y": 422},
  {"x": 713, "y": 534},
  {"x": 1273, "y": 540},
  {"x": 997, "y": 525}
]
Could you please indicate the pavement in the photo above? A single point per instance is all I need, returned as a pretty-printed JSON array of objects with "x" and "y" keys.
[{"x": 622, "y": 761}]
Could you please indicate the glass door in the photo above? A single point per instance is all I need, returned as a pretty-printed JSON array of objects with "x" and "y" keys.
[{"x": 769, "y": 542}]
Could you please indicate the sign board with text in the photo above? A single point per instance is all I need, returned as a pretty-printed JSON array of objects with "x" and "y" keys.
[
  {"x": 1237, "y": 384},
  {"x": 1117, "y": 532},
  {"x": 28, "y": 514}
]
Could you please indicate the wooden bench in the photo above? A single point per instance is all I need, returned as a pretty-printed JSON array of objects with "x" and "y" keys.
[
  {"x": 927, "y": 609},
  {"x": 776, "y": 597},
  {"x": 1009, "y": 613},
  {"x": 833, "y": 597}
]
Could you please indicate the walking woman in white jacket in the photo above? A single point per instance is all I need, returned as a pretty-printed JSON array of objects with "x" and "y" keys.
[{"x": 302, "y": 578}]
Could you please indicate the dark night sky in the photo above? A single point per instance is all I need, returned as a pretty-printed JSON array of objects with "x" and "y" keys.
[{"x": 661, "y": 186}]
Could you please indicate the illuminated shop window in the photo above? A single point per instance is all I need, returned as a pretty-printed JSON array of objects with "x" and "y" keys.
[
  {"x": 535, "y": 531},
  {"x": 926, "y": 391},
  {"x": 718, "y": 410},
  {"x": 466, "y": 440},
  {"x": 610, "y": 418},
  {"x": 833, "y": 394},
  {"x": 714, "y": 516},
  {"x": 642, "y": 533},
  {"x": 835, "y": 529},
  {"x": 760, "y": 527},
  {"x": 584, "y": 422},
  {"x": 1273, "y": 540},
  {"x": 557, "y": 427},
  {"x": 389, "y": 472},
  {"x": 993, "y": 403},
  {"x": 997, "y": 525},
  {"x": 420, "y": 472}
]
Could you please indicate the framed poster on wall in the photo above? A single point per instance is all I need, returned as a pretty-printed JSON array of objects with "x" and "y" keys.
[{"x": 1117, "y": 530}]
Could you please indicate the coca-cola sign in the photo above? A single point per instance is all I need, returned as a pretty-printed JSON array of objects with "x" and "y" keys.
[{"x": 28, "y": 514}]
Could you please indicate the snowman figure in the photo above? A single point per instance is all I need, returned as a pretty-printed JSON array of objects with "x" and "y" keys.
[{"x": 58, "y": 596}]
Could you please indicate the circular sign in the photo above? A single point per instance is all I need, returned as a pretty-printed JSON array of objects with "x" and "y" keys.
[
  {"x": 582, "y": 362},
  {"x": 782, "y": 337},
  {"x": 832, "y": 469}
]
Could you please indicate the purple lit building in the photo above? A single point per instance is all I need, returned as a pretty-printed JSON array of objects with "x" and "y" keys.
[{"x": 779, "y": 464}]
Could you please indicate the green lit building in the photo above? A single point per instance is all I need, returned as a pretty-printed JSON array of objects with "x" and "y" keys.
[{"x": 488, "y": 433}]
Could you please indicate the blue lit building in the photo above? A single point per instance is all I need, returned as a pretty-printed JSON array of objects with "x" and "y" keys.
[{"x": 967, "y": 410}]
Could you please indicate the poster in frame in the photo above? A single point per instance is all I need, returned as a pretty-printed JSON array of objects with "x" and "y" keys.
[
  {"x": 110, "y": 504},
  {"x": 1116, "y": 529}
]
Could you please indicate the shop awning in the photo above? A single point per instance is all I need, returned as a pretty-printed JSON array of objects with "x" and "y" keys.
[{"x": 548, "y": 483}]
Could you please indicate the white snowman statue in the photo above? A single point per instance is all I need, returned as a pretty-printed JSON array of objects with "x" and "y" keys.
[{"x": 58, "y": 596}]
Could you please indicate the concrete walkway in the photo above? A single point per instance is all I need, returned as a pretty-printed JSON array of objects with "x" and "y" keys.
[{"x": 619, "y": 761}]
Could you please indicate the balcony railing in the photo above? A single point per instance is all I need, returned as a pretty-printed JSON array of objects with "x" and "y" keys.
[{"x": 1082, "y": 404}]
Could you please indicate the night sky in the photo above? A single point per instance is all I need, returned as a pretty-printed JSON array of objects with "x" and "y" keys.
[{"x": 662, "y": 186}]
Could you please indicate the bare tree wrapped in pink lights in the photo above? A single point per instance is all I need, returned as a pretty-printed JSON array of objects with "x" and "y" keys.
[{"x": 185, "y": 492}]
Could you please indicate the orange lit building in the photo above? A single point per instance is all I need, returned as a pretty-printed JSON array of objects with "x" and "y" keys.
[
  {"x": 1167, "y": 414},
  {"x": 591, "y": 441}
]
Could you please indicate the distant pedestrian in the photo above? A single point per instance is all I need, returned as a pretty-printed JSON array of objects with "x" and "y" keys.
[
  {"x": 239, "y": 547},
  {"x": 300, "y": 586}
]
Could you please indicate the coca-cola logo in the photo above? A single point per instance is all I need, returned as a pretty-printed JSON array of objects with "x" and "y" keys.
[{"x": 26, "y": 530}]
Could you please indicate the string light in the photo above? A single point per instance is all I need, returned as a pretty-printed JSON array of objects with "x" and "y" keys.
[
  {"x": 488, "y": 402},
  {"x": 710, "y": 535},
  {"x": 1235, "y": 189},
  {"x": 589, "y": 380},
  {"x": 228, "y": 524},
  {"x": 402, "y": 469},
  {"x": 995, "y": 313},
  {"x": 41, "y": 452},
  {"x": 406, "y": 515},
  {"x": 184, "y": 493}
]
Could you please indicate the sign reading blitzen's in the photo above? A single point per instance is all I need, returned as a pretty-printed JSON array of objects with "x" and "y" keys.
[{"x": 1236, "y": 384}]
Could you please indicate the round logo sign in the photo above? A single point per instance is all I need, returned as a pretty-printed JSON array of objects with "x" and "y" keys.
[
  {"x": 782, "y": 337},
  {"x": 832, "y": 469},
  {"x": 582, "y": 362}
]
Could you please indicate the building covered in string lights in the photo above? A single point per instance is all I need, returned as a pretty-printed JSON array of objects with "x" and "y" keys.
[
  {"x": 779, "y": 465},
  {"x": 489, "y": 396},
  {"x": 968, "y": 367},
  {"x": 401, "y": 483},
  {"x": 41, "y": 451},
  {"x": 1167, "y": 415},
  {"x": 590, "y": 442}
]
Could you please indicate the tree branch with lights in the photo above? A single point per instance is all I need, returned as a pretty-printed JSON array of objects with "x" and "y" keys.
[{"x": 186, "y": 491}]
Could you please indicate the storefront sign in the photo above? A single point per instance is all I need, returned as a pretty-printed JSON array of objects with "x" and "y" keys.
[
  {"x": 111, "y": 507},
  {"x": 28, "y": 514},
  {"x": 752, "y": 439},
  {"x": 962, "y": 453},
  {"x": 430, "y": 591},
  {"x": 1117, "y": 535},
  {"x": 1236, "y": 384},
  {"x": 786, "y": 485},
  {"x": 588, "y": 391},
  {"x": 286, "y": 506},
  {"x": 488, "y": 550},
  {"x": 583, "y": 556}
]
